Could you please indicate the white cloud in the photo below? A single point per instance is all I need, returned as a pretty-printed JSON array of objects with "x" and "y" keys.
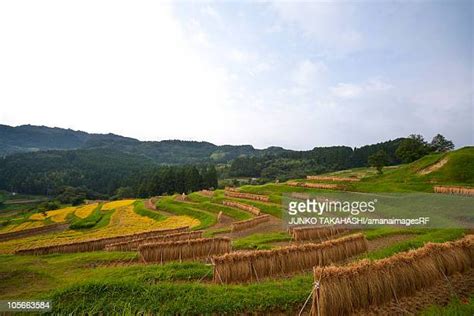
[
  {"x": 107, "y": 66},
  {"x": 331, "y": 24},
  {"x": 353, "y": 90},
  {"x": 308, "y": 73}
]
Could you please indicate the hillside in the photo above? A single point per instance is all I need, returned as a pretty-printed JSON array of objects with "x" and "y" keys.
[{"x": 120, "y": 283}]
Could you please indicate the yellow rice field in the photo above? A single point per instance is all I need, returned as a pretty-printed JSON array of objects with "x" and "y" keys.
[
  {"x": 116, "y": 204},
  {"x": 122, "y": 222},
  {"x": 57, "y": 216},
  {"x": 86, "y": 210},
  {"x": 22, "y": 226}
]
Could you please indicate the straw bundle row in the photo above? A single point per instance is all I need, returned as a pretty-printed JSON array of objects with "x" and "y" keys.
[
  {"x": 454, "y": 190},
  {"x": 231, "y": 189},
  {"x": 342, "y": 290},
  {"x": 313, "y": 185},
  {"x": 326, "y": 178},
  {"x": 184, "y": 250},
  {"x": 250, "y": 196},
  {"x": 315, "y": 233},
  {"x": 249, "y": 208},
  {"x": 32, "y": 231},
  {"x": 95, "y": 244},
  {"x": 207, "y": 193},
  {"x": 259, "y": 264},
  {"x": 133, "y": 245},
  {"x": 249, "y": 223}
]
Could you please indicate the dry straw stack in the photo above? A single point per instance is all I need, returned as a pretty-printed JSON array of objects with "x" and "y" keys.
[
  {"x": 255, "y": 265},
  {"x": 249, "y": 223},
  {"x": 454, "y": 190},
  {"x": 249, "y": 208},
  {"x": 96, "y": 244},
  {"x": 326, "y": 178},
  {"x": 184, "y": 250},
  {"x": 314, "y": 185},
  {"x": 133, "y": 245},
  {"x": 231, "y": 189},
  {"x": 32, "y": 231},
  {"x": 249, "y": 196},
  {"x": 315, "y": 233},
  {"x": 343, "y": 290},
  {"x": 207, "y": 193}
]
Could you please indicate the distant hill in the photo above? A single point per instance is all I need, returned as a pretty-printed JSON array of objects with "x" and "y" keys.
[{"x": 29, "y": 138}]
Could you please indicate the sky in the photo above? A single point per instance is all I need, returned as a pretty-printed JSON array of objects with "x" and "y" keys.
[{"x": 277, "y": 73}]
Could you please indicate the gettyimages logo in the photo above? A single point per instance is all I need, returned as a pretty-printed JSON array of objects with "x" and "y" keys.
[{"x": 316, "y": 207}]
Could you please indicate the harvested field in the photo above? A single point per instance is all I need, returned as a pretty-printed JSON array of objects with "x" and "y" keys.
[
  {"x": 134, "y": 244},
  {"x": 252, "y": 222},
  {"x": 315, "y": 233},
  {"x": 345, "y": 289},
  {"x": 326, "y": 178},
  {"x": 249, "y": 196},
  {"x": 184, "y": 250},
  {"x": 314, "y": 185},
  {"x": 32, "y": 231},
  {"x": 249, "y": 208},
  {"x": 458, "y": 190},
  {"x": 459, "y": 285},
  {"x": 383, "y": 242},
  {"x": 94, "y": 244},
  {"x": 251, "y": 266}
]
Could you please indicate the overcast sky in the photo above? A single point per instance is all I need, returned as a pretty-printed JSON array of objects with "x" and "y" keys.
[{"x": 292, "y": 74}]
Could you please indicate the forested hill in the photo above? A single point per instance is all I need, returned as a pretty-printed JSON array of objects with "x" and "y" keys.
[{"x": 28, "y": 138}]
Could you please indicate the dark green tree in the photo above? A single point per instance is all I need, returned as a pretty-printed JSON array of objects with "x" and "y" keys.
[
  {"x": 440, "y": 144},
  {"x": 378, "y": 160},
  {"x": 412, "y": 148}
]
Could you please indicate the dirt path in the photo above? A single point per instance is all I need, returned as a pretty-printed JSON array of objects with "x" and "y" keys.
[
  {"x": 150, "y": 204},
  {"x": 441, "y": 293},
  {"x": 225, "y": 221},
  {"x": 433, "y": 167},
  {"x": 386, "y": 241}
]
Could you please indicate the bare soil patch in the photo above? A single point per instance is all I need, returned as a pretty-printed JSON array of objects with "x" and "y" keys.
[{"x": 433, "y": 167}]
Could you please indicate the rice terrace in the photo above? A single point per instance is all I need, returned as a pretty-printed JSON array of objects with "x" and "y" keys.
[
  {"x": 275, "y": 157},
  {"x": 227, "y": 251}
]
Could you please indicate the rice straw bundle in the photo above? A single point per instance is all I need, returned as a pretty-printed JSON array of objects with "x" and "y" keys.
[
  {"x": 133, "y": 245},
  {"x": 184, "y": 250},
  {"x": 97, "y": 243},
  {"x": 314, "y": 185},
  {"x": 241, "y": 195},
  {"x": 346, "y": 289},
  {"x": 259, "y": 264},
  {"x": 33, "y": 231},
  {"x": 249, "y": 223},
  {"x": 326, "y": 178},
  {"x": 454, "y": 190},
  {"x": 249, "y": 208}
]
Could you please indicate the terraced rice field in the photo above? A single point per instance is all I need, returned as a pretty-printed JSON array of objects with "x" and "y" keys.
[
  {"x": 86, "y": 210},
  {"x": 124, "y": 220},
  {"x": 57, "y": 216}
]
